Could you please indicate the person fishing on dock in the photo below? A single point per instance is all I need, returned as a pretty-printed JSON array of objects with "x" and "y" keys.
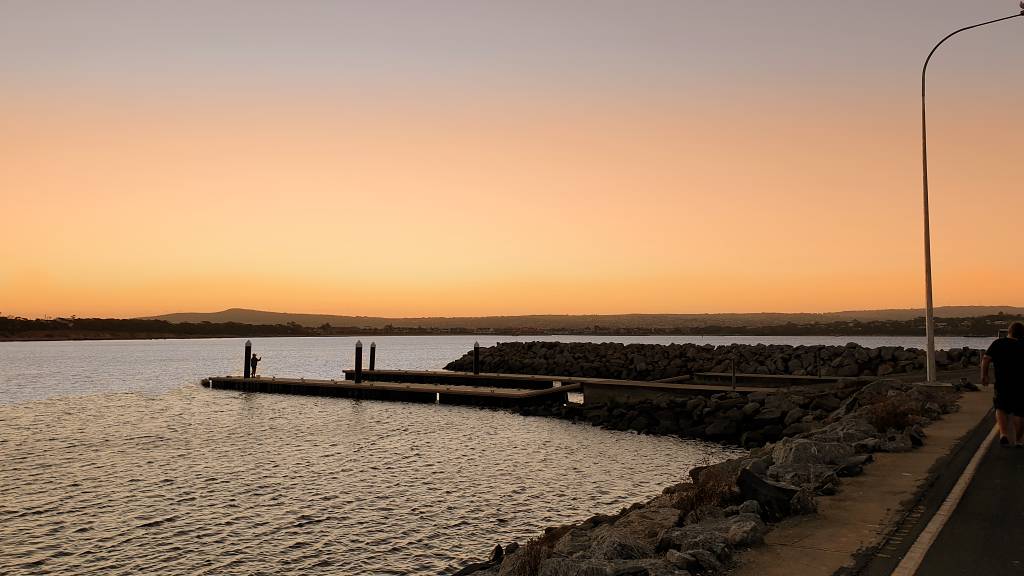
[
  {"x": 252, "y": 364},
  {"x": 1007, "y": 353}
]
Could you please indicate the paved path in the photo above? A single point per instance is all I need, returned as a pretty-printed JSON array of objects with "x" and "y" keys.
[{"x": 985, "y": 533}]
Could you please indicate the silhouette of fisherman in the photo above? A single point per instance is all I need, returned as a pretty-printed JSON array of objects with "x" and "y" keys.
[
  {"x": 252, "y": 364},
  {"x": 1007, "y": 353}
]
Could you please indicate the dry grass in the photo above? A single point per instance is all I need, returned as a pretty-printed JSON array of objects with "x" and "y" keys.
[
  {"x": 714, "y": 490},
  {"x": 891, "y": 414},
  {"x": 531, "y": 556}
]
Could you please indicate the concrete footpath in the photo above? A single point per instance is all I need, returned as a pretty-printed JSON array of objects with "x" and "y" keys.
[{"x": 985, "y": 533}]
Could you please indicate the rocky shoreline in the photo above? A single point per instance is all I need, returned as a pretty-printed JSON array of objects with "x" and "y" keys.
[
  {"x": 659, "y": 361},
  {"x": 748, "y": 420},
  {"x": 694, "y": 527}
]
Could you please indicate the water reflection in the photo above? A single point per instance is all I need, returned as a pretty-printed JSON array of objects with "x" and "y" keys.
[{"x": 220, "y": 482}]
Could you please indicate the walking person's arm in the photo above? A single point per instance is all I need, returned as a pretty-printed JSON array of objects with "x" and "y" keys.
[{"x": 985, "y": 361}]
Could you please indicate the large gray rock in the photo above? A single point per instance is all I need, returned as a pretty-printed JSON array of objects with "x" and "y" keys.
[
  {"x": 770, "y": 416},
  {"x": 723, "y": 428},
  {"x": 773, "y": 497},
  {"x": 633, "y": 536},
  {"x": 848, "y": 371},
  {"x": 745, "y": 530},
  {"x": 646, "y": 524},
  {"x": 845, "y": 431},
  {"x": 715, "y": 534},
  {"x": 728, "y": 470},
  {"x": 694, "y": 537},
  {"x": 794, "y": 416},
  {"x": 809, "y": 475},
  {"x": 680, "y": 560},
  {"x": 574, "y": 543},
  {"x": 705, "y": 559},
  {"x": 803, "y": 503},
  {"x": 703, "y": 513},
  {"x": 750, "y": 507},
  {"x": 826, "y": 402},
  {"x": 798, "y": 428},
  {"x": 780, "y": 401}
]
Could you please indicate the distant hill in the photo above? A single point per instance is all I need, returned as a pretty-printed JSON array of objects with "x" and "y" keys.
[{"x": 616, "y": 321}]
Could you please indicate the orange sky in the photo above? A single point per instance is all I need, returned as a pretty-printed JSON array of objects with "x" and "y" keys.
[{"x": 754, "y": 195}]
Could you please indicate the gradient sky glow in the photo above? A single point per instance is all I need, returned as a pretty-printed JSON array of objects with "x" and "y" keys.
[{"x": 481, "y": 158}]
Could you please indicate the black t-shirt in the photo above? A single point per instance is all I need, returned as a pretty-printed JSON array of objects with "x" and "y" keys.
[{"x": 1008, "y": 356}]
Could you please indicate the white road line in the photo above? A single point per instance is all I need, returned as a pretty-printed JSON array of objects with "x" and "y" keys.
[{"x": 912, "y": 561}]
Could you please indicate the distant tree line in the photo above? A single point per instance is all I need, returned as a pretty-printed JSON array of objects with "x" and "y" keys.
[
  {"x": 13, "y": 328},
  {"x": 974, "y": 326}
]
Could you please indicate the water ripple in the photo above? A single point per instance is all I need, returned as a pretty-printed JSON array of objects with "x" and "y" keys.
[{"x": 218, "y": 482}]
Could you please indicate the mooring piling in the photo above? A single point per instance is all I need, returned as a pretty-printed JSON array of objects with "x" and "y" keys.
[
  {"x": 734, "y": 372},
  {"x": 359, "y": 361},
  {"x": 476, "y": 357},
  {"x": 245, "y": 362},
  {"x": 373, "y": 354}
]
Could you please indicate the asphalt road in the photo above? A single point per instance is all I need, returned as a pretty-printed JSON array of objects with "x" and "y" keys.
[{"x": 985, "y": 534}]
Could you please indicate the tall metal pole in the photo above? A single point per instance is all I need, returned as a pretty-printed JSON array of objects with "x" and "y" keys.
[{"x": 929, "y": 307}]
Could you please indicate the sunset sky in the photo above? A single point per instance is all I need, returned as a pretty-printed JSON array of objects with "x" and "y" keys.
[{"x": 483, "y": 158}]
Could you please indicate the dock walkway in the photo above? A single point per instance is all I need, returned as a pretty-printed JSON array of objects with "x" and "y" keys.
[
  {"x": 401, "y": 391},
  {"x": 504, "y": 390}
]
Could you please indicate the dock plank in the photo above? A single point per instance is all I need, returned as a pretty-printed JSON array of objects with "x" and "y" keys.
[{"x": 391, "y": 390}]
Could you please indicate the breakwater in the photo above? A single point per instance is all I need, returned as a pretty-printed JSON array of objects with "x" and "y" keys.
[
  {"x": 750, "y": 420},
  {"x": 697, "y": 526},
  {"x": 657, "y": 361}
]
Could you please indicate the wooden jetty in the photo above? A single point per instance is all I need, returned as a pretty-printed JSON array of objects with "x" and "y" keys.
[
  {"x": 476, "y": 389},
  {"x": 503, "y": 390},
  {"x": 490, "y": 380},
  {"x": 400, "y": 391}
]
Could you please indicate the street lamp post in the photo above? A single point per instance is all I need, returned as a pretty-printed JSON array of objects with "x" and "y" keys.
[{"x": 929, "y": 308}]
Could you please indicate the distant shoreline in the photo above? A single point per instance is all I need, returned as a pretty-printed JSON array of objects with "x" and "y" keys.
[
  {"x": 276, "y": 325},
  {"x": 159, "y": 336},
  {"x": 24, "y": 329}
]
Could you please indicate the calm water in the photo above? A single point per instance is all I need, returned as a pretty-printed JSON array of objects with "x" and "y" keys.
[
  {"x": 114, "y": 461},
  {"x": 39, "y": 370}
]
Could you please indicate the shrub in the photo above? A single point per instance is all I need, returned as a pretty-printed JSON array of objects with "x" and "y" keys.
[{"x": 890, "y": 414}]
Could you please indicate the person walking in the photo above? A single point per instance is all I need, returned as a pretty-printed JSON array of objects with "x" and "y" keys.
[
  {"x": 252, "y": 364},
  {"x": 1007, "y": 353}
]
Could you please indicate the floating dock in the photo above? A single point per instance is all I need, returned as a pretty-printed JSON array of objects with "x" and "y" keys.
[
  {"x": 397, "y": 391},
  {"x": 467, "y": 388},
  {"x": 712, "y": 381},
  {"x": 503, "y": 390}
]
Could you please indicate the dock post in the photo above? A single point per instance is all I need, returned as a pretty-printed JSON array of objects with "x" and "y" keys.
[
  {"x": 476, "y": 357},
  {"x": 245, "y": 362},
  {"x": 359, "y": 361},
  {"x": 373, "y": 354}
]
